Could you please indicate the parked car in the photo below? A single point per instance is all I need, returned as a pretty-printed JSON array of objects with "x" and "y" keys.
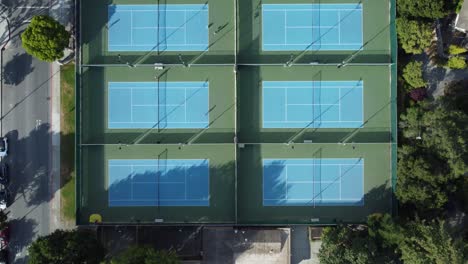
[
  {"x": 3, "y": 146},
  {"x": 4, "y": 177},
  {"x": 3, "y": 197}
]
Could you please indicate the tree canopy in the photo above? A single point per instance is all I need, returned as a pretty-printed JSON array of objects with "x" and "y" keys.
[
  {"x": 45, "y": 38},
  {"x": 66, "y": 247},
  {"x": 145, "y": 255},
  {"x": 413, "y": 75},
  {"x": 414, "y": 36},
  {"x": 422, "y": 8},
  {"x": 421, "y": 182},
  {"x": 386, "y": 241},
  {"x": 357, "y": 244}
]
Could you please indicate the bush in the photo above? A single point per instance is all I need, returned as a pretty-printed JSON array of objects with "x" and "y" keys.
[
  {"x": 414, "y": 36},
  {"x": 455, "y": 50},
  {"x": 145, "y": 255},
  {"x": 418, "y": 94},
  {"x": 456, "y": 63},
  {"x": 412, "y": 73},
  {"x": 45, "y": 38}
]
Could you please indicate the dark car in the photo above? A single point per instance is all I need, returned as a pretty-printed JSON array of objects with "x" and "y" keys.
[
  {"x": 3, "y": 146},
  {"x": 4, "y": 177},
  {"x": 3, "y": 197}
]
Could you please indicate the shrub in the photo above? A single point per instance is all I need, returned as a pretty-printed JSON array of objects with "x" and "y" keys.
[
  {"x": 456, "y": 63},
  {"x": 414, "y": 36},
  {"x": 455, "y": 50},
  {"x": 412, "y": 73},
  {"x": 418, "y": 94}
]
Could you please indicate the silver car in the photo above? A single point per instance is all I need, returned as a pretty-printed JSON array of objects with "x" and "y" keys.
[{"x": 3, "y": 146}]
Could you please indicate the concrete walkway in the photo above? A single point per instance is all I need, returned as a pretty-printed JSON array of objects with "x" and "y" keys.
[{"x": 62, "y": 11}]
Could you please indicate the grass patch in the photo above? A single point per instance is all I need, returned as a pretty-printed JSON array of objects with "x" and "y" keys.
[{"x": 67, "y": 141}]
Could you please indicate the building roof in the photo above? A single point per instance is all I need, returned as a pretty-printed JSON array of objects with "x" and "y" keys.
[{"x": 461, "y": 22}]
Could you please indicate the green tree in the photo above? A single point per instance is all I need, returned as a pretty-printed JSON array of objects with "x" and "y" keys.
[
  {"x": 424, "y": 242},
  {"x": 412, "y": 73},
  {"x": 66, "y": 247},
  {"x": 456, "y": 62},
  {"x": 145, "y": 255},
  {"x": 422, "y": 8},
  {"x": 357, "y": 243},
  {"x": 414, "y": 35},
  {"x": 443, "y": 131},
  {"x": 422, "y": 180},
  {"x": 45, "y": 38}
]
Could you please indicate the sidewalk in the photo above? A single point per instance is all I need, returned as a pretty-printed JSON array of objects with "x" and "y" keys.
[{"x": 62, "y": 11}]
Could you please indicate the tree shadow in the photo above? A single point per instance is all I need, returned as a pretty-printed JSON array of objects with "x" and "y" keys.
[
  {"x": 22, "y": 233},
  {"x": 16, "y": 70},
  {"x": 30, "y": 170}
]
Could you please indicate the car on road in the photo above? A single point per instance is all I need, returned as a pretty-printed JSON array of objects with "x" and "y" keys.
[
  {"x": 4, "y": 177},
  {"x": 3, "y": 197},
  {"x": 3, "y": 146}
]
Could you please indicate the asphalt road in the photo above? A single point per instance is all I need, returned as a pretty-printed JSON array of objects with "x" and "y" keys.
[{"x": 25, "y": 121}]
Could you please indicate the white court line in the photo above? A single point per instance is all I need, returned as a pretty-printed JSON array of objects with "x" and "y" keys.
[
  {"x": 155, "y": 200},
  {"x": 315, "y": 199},
  {"x": 309, "y": 104},
  {"x": 131, "y": 105},
  {"x": 307, "y": 121},
  {"x": 316, "y": 165},
  {"x": 151, "y": 45},
  {"x": 339, "y": 27},
  {"x": 155, "y": 105},
  {"x": 131, "y": 28},
  {"x": 185, "y": 27},
  {"x": 309, "y": 27},
  {"x": 307, "y": 44},
  {"x": 156, "y": 88},
  {"x": 173, "y": 122},
  {"x": 152, "y": 11},
  {"x": 154, "y": 27},
  {"x": 311, "y": 87},
  {"x": 286, "y": 103},
  {"x": 309, "y": 9},
  {"x": 185, "y": 105},
  {"x": 285, "y": 31}
]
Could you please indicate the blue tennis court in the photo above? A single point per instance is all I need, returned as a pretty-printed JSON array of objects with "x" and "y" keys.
[
  {"x": 312, "y": 27},
  {"x": 178, "y": 27},
  {"x": 158, "y": 105},
  {"x": 168, "y": 182},
  {"x": 314, "y": 104},
  {"x": 313, "y": 182}
]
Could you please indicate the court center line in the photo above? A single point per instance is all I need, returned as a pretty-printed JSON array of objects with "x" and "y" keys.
[
  {"x": 285, "y": 31},
  {"x": 286, "y": 105},
  {"x": 339, "y": 27},
  {"x": 131, "y": 105},
  {"x": 131, "y": 28}
]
